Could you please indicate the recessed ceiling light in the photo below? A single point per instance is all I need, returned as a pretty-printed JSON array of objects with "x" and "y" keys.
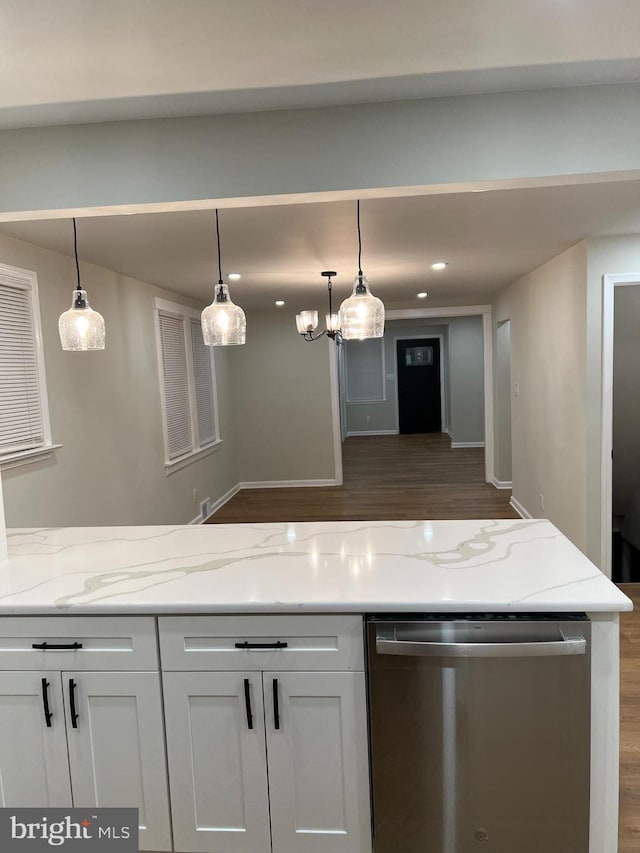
[
  {"x": 422, "y": 295},
  {"x": 439, "y": 265},
  {"x": 279, "y": 302},
  {"x": 234, "y": 276}
]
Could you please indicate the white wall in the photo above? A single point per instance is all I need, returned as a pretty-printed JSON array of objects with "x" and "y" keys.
[
  {"x": 282, "y": 394},
  {"x": 105, "y": 411},
  {"x": 547, "y": 309},
  {"x": 462, "y": 359}
]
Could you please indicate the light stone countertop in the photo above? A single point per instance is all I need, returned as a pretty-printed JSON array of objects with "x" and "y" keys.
[{"x": 356, "y": 567}]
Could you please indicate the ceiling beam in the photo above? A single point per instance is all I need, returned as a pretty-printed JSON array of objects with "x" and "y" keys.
[{"x": 440, "y": 144}]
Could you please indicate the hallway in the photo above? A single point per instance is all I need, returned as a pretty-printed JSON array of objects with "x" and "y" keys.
[{"x": 387, "y": 477}]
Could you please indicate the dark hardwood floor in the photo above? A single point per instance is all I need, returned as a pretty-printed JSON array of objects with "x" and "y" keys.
[
  {"x": 385, "y": 477},
  {"x": 629, "y": 835}
]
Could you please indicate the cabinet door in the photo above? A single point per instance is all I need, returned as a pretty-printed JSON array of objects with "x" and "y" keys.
[
  {"x": 116, "y": 747},
  {"x": 217, "y": 762},
  {"x": 34, "y": 770},
  {"x": 318, "y": 762}
]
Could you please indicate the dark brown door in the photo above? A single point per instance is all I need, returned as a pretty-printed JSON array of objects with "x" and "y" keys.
[{"x": 419, "y": 385}]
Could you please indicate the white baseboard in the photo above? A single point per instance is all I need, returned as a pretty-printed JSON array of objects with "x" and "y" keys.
[
  {"x": 287, "y": 484},
  {"x": 216, "y": 505},
  {"x": 522, "y": 511},
  {"x": 373, "y": 432},
  {"x": 467, "y": 443},
  {"x": 501, "y": 484}
]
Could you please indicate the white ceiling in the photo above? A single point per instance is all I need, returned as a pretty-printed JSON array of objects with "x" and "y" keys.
[
  {"x": 488, "y": 238},
  {"x": 90, "y": 60}
]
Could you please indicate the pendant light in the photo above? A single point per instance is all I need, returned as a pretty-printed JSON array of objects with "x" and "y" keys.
[
  {"x": 362, "y": 314},
  {"x": 223, "y": 323},
  {"x": 81, "y": 328},
  {"x": 307, "y": 321}
]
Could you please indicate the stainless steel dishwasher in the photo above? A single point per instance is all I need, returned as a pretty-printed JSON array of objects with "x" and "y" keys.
[{"x": 480, "y": 733}]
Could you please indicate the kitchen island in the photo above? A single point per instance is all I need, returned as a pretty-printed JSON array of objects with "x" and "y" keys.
[{"x": 182, "y": 578}]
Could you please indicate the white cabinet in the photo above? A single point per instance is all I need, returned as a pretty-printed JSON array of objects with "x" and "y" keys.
[
  {"x": 34, "y": 770},
  {"x": 267, "y": 759},
  {"x": 318, "y": 770},
  {"x": 217, "y": 762},
  {"x": 102, "y": 742},
  {"x": 116, "y": 747}
]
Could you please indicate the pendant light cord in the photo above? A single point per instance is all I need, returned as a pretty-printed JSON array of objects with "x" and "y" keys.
[
  {"x": 219, "y": 257},
  {"x": 75, "y": 252},
  {"x": 359, "y": 241}
]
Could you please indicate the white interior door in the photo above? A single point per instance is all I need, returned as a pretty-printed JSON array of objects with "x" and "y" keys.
[
  {"x": 318, "y": 764},
  {"x": 217, "y": 762},
  {"x": 116, "y": 747},
  {"x": 34, "y": 770}
]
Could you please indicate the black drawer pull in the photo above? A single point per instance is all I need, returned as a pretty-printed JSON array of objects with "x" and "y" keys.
[
  {"x": 56, "y": 647},
  {"x": 247, "y": 703},
  {"x": 48, "y": 716},
  {"x": 72, "y": 703},
  {"x": 277, "y": 645},
  {"x": 276, "y": 705}
]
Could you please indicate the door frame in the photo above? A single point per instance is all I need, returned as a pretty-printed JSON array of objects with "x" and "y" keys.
[
  {"x": 440, "y": 336},
  {"x": 609, "y": 283}
]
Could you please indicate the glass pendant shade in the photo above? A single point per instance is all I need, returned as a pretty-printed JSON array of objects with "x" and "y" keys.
[
  {"x": 223, "y": 323},
  {"x": 307, "y": 321},
  {"x": 362, "y": 314},
  {"x": 81, "y": 328},
  {"x": 333, "y": 322}
]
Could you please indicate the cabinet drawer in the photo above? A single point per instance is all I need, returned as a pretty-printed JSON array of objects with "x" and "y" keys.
[
  {"x": 102, "y": 643},
  {"x": 224, "y": 643}
]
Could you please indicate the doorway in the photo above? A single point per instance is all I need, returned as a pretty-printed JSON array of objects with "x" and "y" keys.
[
  {"x": 620, "y": 472},
  {"x": 503, "y": 406},
  {"x": 419, "y": 385}
]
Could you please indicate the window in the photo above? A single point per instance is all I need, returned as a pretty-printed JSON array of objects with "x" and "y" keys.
[
  {"x": 187, "y": 385},
  {"x": 364, "y": 362},
  {"x": 25, "y": 432}
]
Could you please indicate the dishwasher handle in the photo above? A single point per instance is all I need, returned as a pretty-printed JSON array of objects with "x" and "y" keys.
[{"x": 571, "y": 646}]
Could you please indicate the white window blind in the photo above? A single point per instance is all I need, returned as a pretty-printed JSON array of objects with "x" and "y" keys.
[
  {"x": 365, "y": 370},
  {"x": 176, "y": 386},
  {"x": 203, "y": 385},
  {"x": 22, "y": 422},
  {"x": 187, "y": 378}
]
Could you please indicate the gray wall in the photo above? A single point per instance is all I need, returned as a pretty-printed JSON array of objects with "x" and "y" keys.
[
  {"x": 462, "y": 356},
  {"x": 626, "y": 401},
  {"x": 282, "y": 395},
  {"x": 547, "y": 309},
  {"x": 105, "y": 410},
  {"x": 502, "y": 392}
]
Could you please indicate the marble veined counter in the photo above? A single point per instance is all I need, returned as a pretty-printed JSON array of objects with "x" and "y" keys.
[{"x": 438, "y": 566}]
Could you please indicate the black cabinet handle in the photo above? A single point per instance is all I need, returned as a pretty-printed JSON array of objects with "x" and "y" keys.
[
  {"x": 50, "y": 647},
  {"x": 247, "y": 703},
  {"x": 276, "y": 705},
  {"x": 72, "y": 703},
  {"x": 277, "y": 645},
  {"x": 48, "y": 716}
]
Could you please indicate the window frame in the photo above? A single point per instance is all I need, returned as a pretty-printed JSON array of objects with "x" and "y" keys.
[
  {"x": 348, "y": 389},
  {"x": 186, "y": 314},
  {"x": 28, "y": 280}
]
